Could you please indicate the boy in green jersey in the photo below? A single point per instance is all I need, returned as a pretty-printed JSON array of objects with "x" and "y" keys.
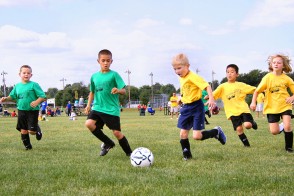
[
  {"x": 28, "y": 96},
  {"x": 105, "y": 87}
]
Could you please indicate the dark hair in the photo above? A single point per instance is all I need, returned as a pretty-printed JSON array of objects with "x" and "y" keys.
[
  {"x": 25, "y": 66},
  {"x": 234, "y": 66},
  {"x": 105, "y": 52}
]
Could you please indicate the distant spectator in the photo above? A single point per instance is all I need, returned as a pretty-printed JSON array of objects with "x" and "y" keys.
[{"x": 13, "y": 114}]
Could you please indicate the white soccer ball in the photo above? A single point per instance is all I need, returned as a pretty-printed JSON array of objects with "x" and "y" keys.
[{"x": 142, "y": 157}]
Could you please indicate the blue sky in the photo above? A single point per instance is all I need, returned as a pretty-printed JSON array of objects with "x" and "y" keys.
[{"x": 61, "y": 38}]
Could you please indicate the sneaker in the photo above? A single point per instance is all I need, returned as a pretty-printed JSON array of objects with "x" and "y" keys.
[
  {"x": 281, "y": 127},
  {"x": 187, "y": 154},
  {"x": 105, "y": 149},
  {"x": 29, "y": 147},
  {"x": 254, "y": 125},
  {"x": 221, "y": 135},
  {"x": 289, "y": 150},
  {"x": 39, "y": 133}
]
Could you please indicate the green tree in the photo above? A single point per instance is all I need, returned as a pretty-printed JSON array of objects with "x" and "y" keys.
[
  {"x": 51, "y": 93},
  {"x": 167, "y": 89}
]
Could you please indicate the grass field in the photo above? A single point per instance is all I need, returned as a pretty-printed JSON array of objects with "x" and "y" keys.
[{"x": 67, "y": 162}]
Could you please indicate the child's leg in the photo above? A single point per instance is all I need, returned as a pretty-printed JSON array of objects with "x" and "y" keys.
[
  {"x": 216, "y": 132},
  {"x": 206, "y": 121},
  {"x": 185, "y": 144},
  {"x": 288, "y": 133},
  {"x": 123, "y": 142},
  {"x": 242, "y": 136},
  {"x": 25, "y": 137}
]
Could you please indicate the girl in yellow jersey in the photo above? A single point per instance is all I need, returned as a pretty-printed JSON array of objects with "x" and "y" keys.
[
  {"x": 233, "y": 95},
  {"x": 192, "y": 112},
  {"x": 278, "y": 102}
]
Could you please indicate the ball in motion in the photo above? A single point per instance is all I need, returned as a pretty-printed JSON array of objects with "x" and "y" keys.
[
  {"x": 142, "y": 157},
  {"x": 215, "y": 110}
]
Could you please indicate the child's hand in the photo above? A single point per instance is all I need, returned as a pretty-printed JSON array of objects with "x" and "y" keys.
[
  {"x": 253, "y": 106},
  {"x": 34, "y": 104},
  {"x": 290, "y": 100},
  {"x": 87, "y": 110},
  {"x": 114, "y": 91},
  {"x": 3, "y": 99}
]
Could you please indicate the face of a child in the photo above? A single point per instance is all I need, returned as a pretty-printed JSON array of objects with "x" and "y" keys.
[
  {"x": 105, "y": 62},
  {"x": 181, "y": 70},
  {"x": 231, "y": 74},
  {"x": 25, "y": 74},
  {"x": 277, "y": 64}
]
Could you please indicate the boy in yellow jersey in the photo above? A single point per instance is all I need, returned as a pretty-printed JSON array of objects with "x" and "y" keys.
[
  {"x": 174, "y": 108},
  {"x": 259, "y": 106},
  {"x": 192, "y": 112},
  {"x": 277, "y": 102},
  {"x": 233, "y": 95}
]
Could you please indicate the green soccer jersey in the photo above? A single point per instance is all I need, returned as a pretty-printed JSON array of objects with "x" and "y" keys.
[
  {"x": 101, "y": 86},
  {"x": 25, "y": 93}
]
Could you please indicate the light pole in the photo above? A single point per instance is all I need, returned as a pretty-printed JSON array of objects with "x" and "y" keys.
[
  {"x": 151, "y": 75},
  {"x": 197, "y": 70},
  {"x": 4, "y": 86},
  {"x": 212, "y": 85},
  {"x": 63, "y": 80},
  {"x": 129, "y": 87}
]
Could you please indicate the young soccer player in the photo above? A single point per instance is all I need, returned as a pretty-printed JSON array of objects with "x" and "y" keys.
[
  {"x": 192, "y": 113},
  {"x": 277, "y": 102},
  {"x": 28, "y": 96},
  {"x": 233, "y": 95},
  {"x": 105, "y": 87}
]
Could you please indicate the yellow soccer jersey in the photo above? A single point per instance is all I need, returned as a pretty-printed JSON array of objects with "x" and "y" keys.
[
  {"x": 191, "y": 87},
  {"x": 276, "y": 92},
  {"x": 233, "y": 95},
  {"x": 174, "y": 101},
  {"x": 260, "y": 98}
]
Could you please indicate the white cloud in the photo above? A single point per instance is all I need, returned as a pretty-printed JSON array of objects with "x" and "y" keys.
[
  {"x": 22, "y": 2},
  {"x": 270, "y": 13},
  {"x": 186, "y": 21},
  {"x": 147, "y": 22},
  {"x": 17, "y": 38}
]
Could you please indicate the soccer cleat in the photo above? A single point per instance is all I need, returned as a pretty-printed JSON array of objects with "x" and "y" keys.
[
  {"x": 39, "y": 133},
  {"x": 281, "y": 127},
  {"x": 254, "y": 125},
  {"x": 289, "y": 150},
  {"x": 105, "y": 148},
  {"x": 187, "y": 154},
  {"x": 29, "y": 147},
  {"x": 221, "y": 135}
]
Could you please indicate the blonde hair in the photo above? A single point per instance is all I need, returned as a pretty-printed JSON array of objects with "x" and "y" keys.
[
  {"x": 180, "y": 59},
  {"x": 286, "y": 62}
]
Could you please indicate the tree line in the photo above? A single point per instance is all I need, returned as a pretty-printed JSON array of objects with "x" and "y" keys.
[{"x": 72, "y": 92}]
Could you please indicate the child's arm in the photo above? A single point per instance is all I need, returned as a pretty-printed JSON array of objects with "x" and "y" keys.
[
  {"x": 253, "y": 102},
  {"x": 211, "y": 101},
  {"x": 118, "y": 91},
  {"x": 290, "y": 99},
  {"x": 4, "y": 99},
  {"x": 37, "y": 102},
  {"x": 90, "y": 100}
]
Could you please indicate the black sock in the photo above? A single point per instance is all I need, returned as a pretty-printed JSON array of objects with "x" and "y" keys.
[
  {"x": 125, "y": 145},
  {"x": 206, "y": 121},
  {"x": 209, "y": 134},
  {"x": 26, "y": 141},
  {"x": 186, "y": 147},
  {"x": 288, "y": 140},
  {"x": 244, "y": 139},
  {"x": 101, "y": 136}
]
